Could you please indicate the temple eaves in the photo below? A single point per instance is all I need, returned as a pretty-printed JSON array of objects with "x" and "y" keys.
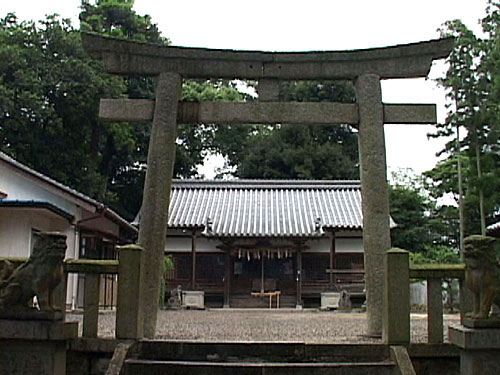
[{"x": 401, "y": 61}]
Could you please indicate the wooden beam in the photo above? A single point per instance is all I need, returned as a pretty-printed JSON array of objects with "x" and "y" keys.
[
  {"x": 227, "y": 279},
  {"x": 131, "y": 57},
  {"x": 299, "y": 277},
  {"x": 141, "y": 110},
  {"x": 333, "y": 264},
  {"x": 193, "y": 259}
]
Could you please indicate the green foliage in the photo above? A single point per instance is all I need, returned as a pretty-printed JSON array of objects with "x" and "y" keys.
[
  {"x": 436, "y": 255},
  {"x": 300, "y": 151},
  {"x": 49, "y": 97},
  {"x": 473, "y": 85},
  {"x": 117, "y": 18},
  {"x": 427, "y": 230}
]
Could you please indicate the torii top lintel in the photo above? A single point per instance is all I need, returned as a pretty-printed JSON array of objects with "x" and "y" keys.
[{"x": 401, "y": 61}]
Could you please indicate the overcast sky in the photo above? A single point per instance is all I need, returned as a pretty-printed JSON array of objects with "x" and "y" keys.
[{"x": 287, "y": 25}]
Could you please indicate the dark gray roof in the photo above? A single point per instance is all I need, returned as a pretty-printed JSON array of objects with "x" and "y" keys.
[{"x": 265, "y": 208}]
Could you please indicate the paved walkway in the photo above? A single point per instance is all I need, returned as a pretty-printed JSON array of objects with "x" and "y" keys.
[{"x": 266, "y": 325}]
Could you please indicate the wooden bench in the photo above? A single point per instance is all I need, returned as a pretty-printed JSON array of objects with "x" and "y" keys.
[{"x": 276, "y": 294}]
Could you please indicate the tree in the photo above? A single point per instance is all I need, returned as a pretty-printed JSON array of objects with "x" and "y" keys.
[
  {"x": 49, "y": 96},
  {"x": 423, "y": 226},
  {"x": 471, "y": 83},
  {"x": 116, "y": 18},
  {"x": 300, "y": 151}
]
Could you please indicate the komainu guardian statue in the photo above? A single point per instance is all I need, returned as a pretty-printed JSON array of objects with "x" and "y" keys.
[
  {"x": 38, "y": 277},
  {"x": 482, "y": 274}
]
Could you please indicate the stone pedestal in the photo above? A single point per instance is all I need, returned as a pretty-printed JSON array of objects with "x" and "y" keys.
[
  {"x": 330, "y": 300},
  {"x": 480, "y": 349},
  {"x": 34, "y": 347},
  {"x": 193, "y": 299}
]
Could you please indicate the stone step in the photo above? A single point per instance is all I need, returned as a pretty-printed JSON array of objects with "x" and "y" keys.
[
  {"x": 259, "y": 351},
  {"x": 151, "y": 367}
]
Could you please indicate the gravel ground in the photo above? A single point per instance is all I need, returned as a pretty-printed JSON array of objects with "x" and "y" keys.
[{"x": 265, "y": 325}]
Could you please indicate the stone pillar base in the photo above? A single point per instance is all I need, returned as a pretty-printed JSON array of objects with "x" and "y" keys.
[
  {"x": 34, "y": 347},
  {"x": 480, "y": 349}
]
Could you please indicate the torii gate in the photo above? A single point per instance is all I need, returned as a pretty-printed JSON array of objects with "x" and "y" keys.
[{"x": 171, "y": 64}]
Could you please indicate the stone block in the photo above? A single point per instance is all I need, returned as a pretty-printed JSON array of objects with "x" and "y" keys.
[
  {"x": 25, "y": 357},
  {"x": 37, "y": 330},
  {"x": 194, "y": 299},
  {"x": 480, "y": 349},
  {"x": 34, "y": 347},
  {"x": 330, "y": 300},
  {"x": 397, "y": 298}
]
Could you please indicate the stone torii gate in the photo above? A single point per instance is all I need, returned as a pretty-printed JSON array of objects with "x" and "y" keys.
[{"x": 172, "y": 64}]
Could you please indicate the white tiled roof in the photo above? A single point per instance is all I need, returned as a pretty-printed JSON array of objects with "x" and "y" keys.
[
  {"x": 494, "y": 229},
  {"x": 265, "y": 208}
]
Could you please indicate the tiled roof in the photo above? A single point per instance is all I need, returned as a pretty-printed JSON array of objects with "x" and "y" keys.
[
  {"x": 494, "y": 229},
  {"x": 265, "y": 208}
]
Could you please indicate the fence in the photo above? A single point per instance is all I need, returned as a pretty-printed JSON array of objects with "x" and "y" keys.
[
  {"x": 128, "y": 268},
  {"x": 397, "y": 316}
]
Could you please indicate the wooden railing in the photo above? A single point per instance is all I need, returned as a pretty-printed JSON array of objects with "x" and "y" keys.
[
  {"x": 127, "y": 268},
  {"x": 399, "y": 273}
]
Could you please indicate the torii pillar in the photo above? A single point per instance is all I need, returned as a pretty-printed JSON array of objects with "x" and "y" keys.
[
  {"x": 156, "y": 198},
  {"x": 374, "y": 194}
]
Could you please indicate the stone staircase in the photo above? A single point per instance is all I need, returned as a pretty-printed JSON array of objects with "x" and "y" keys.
[{"x": 251, "y": 358}]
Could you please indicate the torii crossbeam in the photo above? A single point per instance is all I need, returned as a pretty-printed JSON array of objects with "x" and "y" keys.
[{"x": 172, "y": 64}]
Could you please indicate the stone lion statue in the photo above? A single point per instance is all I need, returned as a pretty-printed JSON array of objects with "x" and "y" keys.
[
  {"x": 38, "y": 277},
  {"x": 482, "y": 275}
]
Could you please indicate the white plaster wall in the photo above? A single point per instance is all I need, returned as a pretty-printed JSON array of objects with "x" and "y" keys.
[
  {"x": 321, "y": 245},
  {"x": 418, "y": 293},
  {"x": 352, "y": 243},
  {"x": 15, "y": 236},
  {"x": 19, "y": 187},
  {"x": 183, "y": 244},
  {"x": 16, "y": 225},
  {"x": 349, "y": 245}
]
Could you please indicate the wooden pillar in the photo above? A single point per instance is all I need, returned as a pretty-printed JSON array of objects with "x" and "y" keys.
[
  {"x": 193, "y": 254},
  {"x": 375, "y": 197},
  {"x": 227, "y": 279},
  {"x": 262, "y": 276},
  {"x": 331, "y": 281},
  {"x": 155, "y": 203},
  {"x": 299, "y": 277}
]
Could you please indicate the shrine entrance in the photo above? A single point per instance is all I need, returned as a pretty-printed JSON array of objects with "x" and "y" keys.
[{"x": 366, "y": 68}]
